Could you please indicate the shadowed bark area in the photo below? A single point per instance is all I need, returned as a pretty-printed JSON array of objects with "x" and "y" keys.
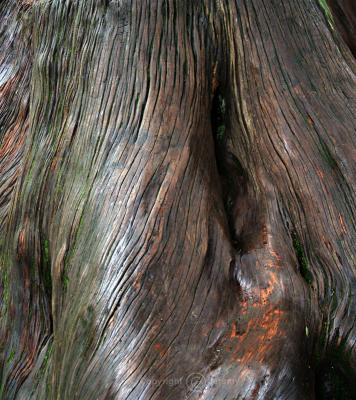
[
  {"x": 179, "y": 223},
  {"x": 344, "y": 15}
]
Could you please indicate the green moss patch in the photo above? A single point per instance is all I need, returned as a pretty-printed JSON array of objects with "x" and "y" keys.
[
  {"x": 326, "y": 9},
  {"x": 302, "y": 259}
]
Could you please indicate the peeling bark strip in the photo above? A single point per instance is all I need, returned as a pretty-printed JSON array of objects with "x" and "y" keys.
[{"x": 177, "y": 206}]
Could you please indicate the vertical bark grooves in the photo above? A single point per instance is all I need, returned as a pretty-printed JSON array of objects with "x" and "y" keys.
[
  {"x": 178, "y": 224},
  {"x": 298, "y": 141}
]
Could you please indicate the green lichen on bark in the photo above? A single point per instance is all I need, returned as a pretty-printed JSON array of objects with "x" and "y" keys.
[
  {"x": 219, "y": 117},
  {"x": 10, "y": 357},
  {"x": 302, "y": 259},
  {"x": 5, "y": 281},
  {"x": 327, "y": 12},
  {"x": 46, "y": 266},
  {"x": 327, "y": 156}
]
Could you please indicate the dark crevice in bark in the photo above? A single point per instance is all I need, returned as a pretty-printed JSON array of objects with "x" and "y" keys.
[
  {"x": 331, "y": 382},
  {"x": 45, "y": 274},
  {"x": 332, "y": 365},
  {"x": 334, "y": 375},
  {"x": 344, "y": 16},
  {"x": 301, "y": 258},
  {"x": 45, "y": 269},
  {"x": 229, "y": 168}
]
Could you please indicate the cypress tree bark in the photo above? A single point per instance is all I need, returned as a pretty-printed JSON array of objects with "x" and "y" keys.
[
  {"x": 344, "y": 16},
  {"x": 177, "y": 204}
]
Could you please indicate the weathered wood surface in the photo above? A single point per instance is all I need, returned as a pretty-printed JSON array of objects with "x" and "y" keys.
[
  {"x": 180, "y": 222},
  {"x": 344, "y": 16}
]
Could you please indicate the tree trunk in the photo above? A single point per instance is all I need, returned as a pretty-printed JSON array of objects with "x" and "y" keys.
[
  {"x": 177, "y": 205},
  {"x": 344, "y": 15}
]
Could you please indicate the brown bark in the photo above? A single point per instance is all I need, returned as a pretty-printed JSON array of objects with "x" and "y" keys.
[
  {"x": 179, "y": 223},
  {"x": 344, "y": 16}
]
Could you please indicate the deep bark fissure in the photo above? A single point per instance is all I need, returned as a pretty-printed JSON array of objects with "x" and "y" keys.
[
  {"x": 301, "y": 257},
  {"x": 332, "y": 383},
  {"x": 231, "y": 174},
  {"x": 344, "y": 18}
]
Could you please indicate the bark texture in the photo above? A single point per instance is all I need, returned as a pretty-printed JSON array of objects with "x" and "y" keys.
[
  {"x": 344, "y": 15},
  {"x": 177, "y": 204}
]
